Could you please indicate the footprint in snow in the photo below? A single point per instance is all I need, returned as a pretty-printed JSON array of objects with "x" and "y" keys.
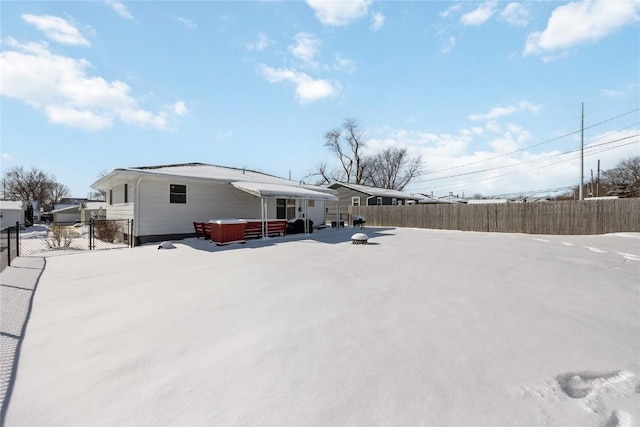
[{"x": 579, "y": 385}]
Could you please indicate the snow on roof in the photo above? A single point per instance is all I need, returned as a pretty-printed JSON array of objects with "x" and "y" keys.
[
  {"x": 486, "y": 201},
  {"x": 73, "y": 208},
  {"x": 278, "y": 190},
  {"x": 379, "y": 192},
  {"x": 200, "y": 171},
  {"x": 9, "y": 205}
]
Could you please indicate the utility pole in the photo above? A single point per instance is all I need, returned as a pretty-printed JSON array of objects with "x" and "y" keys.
[
  {"x": 581, "y": 191},
  {"x": 598, "y": 180}
]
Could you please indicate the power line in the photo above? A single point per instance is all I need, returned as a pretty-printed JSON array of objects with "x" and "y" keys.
[
  {"x": 520, "y": 164},
  {"x": 572, "y": 158},
  {"x": 530, "y": 146}
]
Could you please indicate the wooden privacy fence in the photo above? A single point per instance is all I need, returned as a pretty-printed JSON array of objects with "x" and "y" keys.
[{"x": 575, "y": 217}]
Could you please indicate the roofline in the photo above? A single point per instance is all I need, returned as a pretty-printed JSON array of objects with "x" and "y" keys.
[{"x": 408, "y": 196}]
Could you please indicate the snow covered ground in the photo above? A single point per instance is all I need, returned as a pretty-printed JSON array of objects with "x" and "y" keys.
[{"x": 419, "y": 327}]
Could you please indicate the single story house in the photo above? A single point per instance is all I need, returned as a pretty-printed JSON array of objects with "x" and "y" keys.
[
  {"x": 67, "y": 214},
  {"x": 164, "y": 201},
  {"x": 363, "y": 195},
  {"x": 11, "y": 211}
]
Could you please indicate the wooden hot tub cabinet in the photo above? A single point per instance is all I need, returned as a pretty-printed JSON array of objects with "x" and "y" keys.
[{"x": 226, "y": 231}]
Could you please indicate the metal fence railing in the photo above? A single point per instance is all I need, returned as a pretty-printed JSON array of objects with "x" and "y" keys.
[
  {"x": 9, "y": 245},
  {"x": 96, "y": 234}
]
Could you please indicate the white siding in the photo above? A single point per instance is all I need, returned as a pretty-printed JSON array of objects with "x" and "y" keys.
[
  {"x": 66, "y": 217},
  {"x": 205, "y": 201},
  {"x": 9, "y": 217},
  {"x": 120, "y": 211}
]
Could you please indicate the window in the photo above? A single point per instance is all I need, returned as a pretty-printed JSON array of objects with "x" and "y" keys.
[
  {"x": 311, "y": 203},
  {"x": 394, "y": 201},
  {"x": 110, "y": 196},
  {"x": 379, "y": 201},
  {"x": 126, "y": 193},
  {"x": 285, "y": 208},
  {"x": 177, "y": 193},
  {"x": 355, "y": 201},
  {"x": 291, "y": 209},
  {"x": 281, "y": 209}
]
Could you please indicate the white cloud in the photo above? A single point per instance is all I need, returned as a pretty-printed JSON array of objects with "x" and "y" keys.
[
  {"x": 480, "y": 15},
  {"x": 345, "y": 64},
  {"x": 580, "y": 22},
  {"x": 262, "y": 43},
  {"x": 56, "y": 29},
  {"x": 516, "y": 14},
  {"x": 451, "y": 10},
  {"x": 307, "y": 88},
  {"x": 497, "y": 112},
  {"x": 6, "y": 156},
  {"x": 119, "y": 8},
  {"x": 306, "y": 48},
  {"x": 377, "y": 21},
  {"x": 180, "y": 108},
  {"x": 187, "y": 22},
  {"x": 448, "y": 44},
  {"x": 60, "y": 87},
  {"x": 495, "y": 160},
  {"x": 339, "y": 13}
]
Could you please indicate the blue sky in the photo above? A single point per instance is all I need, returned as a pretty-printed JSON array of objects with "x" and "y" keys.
[{"x": 488, "y": 93}]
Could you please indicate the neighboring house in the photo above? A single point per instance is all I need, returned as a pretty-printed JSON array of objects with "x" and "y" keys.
[
  {"x": 92, "y": 209},
  {"x": 164, "y": 201},
  {"x": 11, "y": 212},
  {"x": 363, "y": 195},
  {"x": 486, "y": 201},
  {"x": 453, "y": 199},
  {"x": 69, "y": 214}
]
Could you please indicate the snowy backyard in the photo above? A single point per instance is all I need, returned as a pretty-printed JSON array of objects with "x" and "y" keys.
[{"x": 418, "y": 327}]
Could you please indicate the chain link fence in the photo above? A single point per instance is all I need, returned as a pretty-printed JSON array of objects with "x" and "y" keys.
[{"x": 96, "y": 234}]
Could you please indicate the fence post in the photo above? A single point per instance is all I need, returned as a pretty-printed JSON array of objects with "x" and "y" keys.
[
  {"x": 9, "y": 246},
  {"x": 17, "y": 238},
  {"x": 90, "y": 233}
]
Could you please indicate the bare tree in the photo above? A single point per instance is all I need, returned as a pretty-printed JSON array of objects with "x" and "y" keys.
[
  {"x": 100, "y": 195},
  {"x": 347, "y": 143},
  {"x": 392, "y": 169},
  {"x": 624, "y": 179},
  {"x": 57, "y": 192},
  {"x": 33, "y": 184}
]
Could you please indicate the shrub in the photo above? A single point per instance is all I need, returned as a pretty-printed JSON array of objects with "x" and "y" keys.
[
  {"x": 59, "y": 237},
  {"x": 106, "y": 230}
]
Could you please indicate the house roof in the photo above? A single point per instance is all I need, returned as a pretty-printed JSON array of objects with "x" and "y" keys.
[
  {"x": 11, "y": 205},
  {"x": 66, "y": 209},
  {"x": 486, "y": 201},
  {"x": 378, "y": 192},
  {"x": 285, "y": 191},
  {"x": 199, "y": 171},
  {"x": 219, "y": 174}
]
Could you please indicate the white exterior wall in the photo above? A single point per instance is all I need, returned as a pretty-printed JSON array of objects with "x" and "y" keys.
[
  {"x": 9, "y": 217},
  {"x": 155, "y": 216},
  {"x": 205, "y": 201},
  {"x": 66, "y": 217}
]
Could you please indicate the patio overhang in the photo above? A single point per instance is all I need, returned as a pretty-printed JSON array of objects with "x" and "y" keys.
[{"x": 266, "y": 190}]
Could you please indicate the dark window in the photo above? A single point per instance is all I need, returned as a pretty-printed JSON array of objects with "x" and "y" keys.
[
  {"x": 110, "y": 197},
  {"x": 126, "y": 193},
  {"x": 177, "y": 193},
  {"x": 281, "y": 209}
]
